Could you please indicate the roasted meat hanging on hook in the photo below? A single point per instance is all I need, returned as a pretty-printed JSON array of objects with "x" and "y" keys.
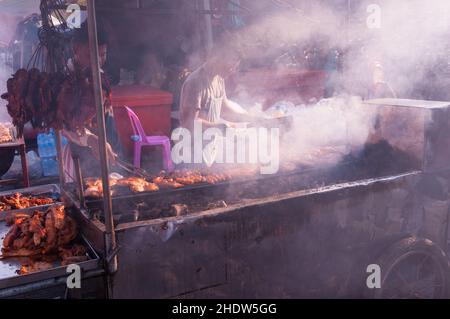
[{"x": 52, "y": 100}]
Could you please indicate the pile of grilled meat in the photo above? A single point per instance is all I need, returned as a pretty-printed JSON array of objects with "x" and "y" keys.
[
  {"x": 50, "y": 100},
  {"x": 20, "y": 201},
  {"x": 50, "y": 233}
]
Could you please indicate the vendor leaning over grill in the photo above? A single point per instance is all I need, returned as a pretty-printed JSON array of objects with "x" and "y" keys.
[
  {"x": 84, "y": 145},
  {"x": 204, "y": 99}
]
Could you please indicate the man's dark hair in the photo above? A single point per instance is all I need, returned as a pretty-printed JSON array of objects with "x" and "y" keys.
[{"x": 81, "y": 35}]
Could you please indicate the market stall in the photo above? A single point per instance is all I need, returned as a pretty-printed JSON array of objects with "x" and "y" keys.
[
  {"x": 375, "y": 193},
  {"x": 218, "y": 240}
]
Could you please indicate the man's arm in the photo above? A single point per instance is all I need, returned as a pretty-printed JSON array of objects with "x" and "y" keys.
[
  {"x": 88, "y": 139},
  {"x": 79, "y": 139},
  {"x": 236, "y": 113}
]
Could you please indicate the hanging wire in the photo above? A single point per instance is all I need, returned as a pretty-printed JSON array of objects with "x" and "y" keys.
[{"x": 52, "y": 35}]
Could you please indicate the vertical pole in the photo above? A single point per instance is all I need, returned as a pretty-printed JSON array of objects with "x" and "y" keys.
[
  {"x": 62, "y": 179},
  {"x": 23, "y": 160},
  {"x": 110, "y": 239},
  {"x": 79, "y": 176},
  {"x": 208, "y": 26}
]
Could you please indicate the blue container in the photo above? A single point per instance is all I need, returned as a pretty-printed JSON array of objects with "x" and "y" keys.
[
  {"x": 47, "y": 144},
  {"x": 49, "y": 166},
  {"x": 47, "y": 152}
]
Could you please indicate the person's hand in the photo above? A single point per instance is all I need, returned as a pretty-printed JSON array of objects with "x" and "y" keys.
[
  {"x": 93, "y": 145},
  {"x": 231, "y": 125}
]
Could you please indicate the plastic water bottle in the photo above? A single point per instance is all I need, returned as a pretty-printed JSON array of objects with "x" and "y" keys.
[
  {"x": 49, "y": 166},
  {"x": 47, "y": 152},
  {"x": 42, "y": 145}
]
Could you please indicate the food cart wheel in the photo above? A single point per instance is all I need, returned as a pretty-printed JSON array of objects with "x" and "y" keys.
[
  {"x": 6, "y": 160},
  {"x": 413, "y": 268}
]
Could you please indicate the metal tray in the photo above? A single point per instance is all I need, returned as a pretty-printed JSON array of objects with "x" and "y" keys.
[
  {"x": 8, "y": 267},
  {"x": 52, "y": 190}
]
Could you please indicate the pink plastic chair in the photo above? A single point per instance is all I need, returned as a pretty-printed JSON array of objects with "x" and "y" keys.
[{"x": 145, "y": 140}]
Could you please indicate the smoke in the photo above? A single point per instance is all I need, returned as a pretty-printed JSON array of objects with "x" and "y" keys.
[
  {"x": 406, "y": 39},
  {"x": 389, "y": 42},
  {"x": 411, "y": 38},
  {"x": 325, "y": 132}
]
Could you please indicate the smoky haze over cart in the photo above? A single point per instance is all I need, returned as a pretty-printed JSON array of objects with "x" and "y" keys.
[{"x": 405, "y": 44}]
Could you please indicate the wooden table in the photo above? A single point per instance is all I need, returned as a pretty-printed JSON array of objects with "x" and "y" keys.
[{"x": 18, "y": 145}]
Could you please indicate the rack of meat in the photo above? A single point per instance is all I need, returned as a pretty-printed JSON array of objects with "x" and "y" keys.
[
  {"x": 164, "y": 182},
  {"x": 38, "y": 197}
]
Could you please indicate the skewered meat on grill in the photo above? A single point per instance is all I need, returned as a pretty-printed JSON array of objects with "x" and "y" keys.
[
  {"x": 20, "y": 201},
  {"x": 174, "y": 180},
  {"x": 167, "y": 182},
  {"x": 40, "y": 233},
  {"x": 135, "y": 184},
  {"x": 196, "y": 177},
  {"x": 138, "y": 185}
]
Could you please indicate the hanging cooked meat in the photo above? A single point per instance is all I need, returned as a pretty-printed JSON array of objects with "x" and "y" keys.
[
  {"x": 17, "y": 88},
  {"x": 52, "y": 100}
]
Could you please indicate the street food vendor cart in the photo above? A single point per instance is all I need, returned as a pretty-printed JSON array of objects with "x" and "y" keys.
[
  {"x": 305, "y": 232},
  {"x": 309, "y": 231}
]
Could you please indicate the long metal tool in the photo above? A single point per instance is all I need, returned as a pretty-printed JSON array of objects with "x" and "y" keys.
[
  {"x": 134, "y": 170},
  {"x": 110, "y": 238}
]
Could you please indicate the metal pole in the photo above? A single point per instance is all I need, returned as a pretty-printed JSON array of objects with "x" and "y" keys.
[
  {"x": 208, "y": 26},
  {"x": 79, "y": 177},
  {"x": 110, "y": 238},
  {"x": 62, "y": 178}
]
